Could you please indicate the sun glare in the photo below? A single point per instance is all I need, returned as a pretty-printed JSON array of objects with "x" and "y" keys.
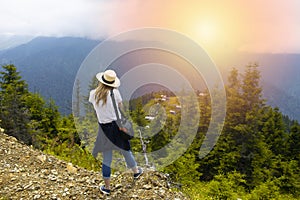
[{"x": 206, "y": 31}]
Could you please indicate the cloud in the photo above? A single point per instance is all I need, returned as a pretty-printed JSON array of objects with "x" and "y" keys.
[
  {"x": 85, "y": 18},
  {"x": 271, "y": 25}
]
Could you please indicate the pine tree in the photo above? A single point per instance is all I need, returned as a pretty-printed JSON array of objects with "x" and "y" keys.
[
  {"x": 225, "y": 156},
  {"x": 249, "y": 139},
  {"x": 234, "y": 100},
  {"x": 89, "y": 109},
  {"x": 76, "y": 99},
  {"x": 231, "y": 138},
  {"x": 138, "y": 114},
  {"x": 293, "y": 144},
  {"x": 14, "y": 116},
  {"x": 35, "y": 106},
  {"x": 251, "y": 89},
  {"x": 205, "y": 112},
  {"x": 273, "y": 129}
]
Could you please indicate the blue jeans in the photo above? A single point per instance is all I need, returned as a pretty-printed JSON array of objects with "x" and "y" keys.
[{"x": 107, "y": 159}]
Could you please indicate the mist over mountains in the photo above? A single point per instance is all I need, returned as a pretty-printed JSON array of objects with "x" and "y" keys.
[
  {"x": 10, "y": 41},
  {"x": 49, "y": 65}
]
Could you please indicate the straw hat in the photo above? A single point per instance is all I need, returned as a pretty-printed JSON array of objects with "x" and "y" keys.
[{"x": 109, "y": 77}]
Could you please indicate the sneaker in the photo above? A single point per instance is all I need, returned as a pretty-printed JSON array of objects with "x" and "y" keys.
[
  {"x": 137, "y": 175},
  {"x": 103, "y": 190}
]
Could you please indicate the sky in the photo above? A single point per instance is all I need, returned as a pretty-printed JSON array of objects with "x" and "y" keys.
[{"x": 259, "y": 26}]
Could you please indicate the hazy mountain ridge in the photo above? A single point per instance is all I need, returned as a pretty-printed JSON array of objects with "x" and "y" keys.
[
  {"x": 49, "y": 65},
  {"x": 10, "y": 41},
  {"x": 289, "y": 104}
]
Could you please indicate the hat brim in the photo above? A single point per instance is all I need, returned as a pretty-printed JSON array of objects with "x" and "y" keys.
[{"x": 115, "y": 84}]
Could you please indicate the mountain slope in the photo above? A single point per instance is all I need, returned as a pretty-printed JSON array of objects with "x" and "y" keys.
[
  {"x": 26, "y": 173},
  {"x": 10, "y": 41},
  {"x": 49, "y": 65}
]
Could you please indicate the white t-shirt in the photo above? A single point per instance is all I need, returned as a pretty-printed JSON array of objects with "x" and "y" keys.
[{"x": 106, "y": 113}]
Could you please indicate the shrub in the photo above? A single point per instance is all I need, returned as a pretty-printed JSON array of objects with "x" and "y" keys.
[{"x": 267, "y": 190}]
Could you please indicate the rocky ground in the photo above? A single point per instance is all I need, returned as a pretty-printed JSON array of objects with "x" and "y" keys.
[{"x": 26, "y": 173}]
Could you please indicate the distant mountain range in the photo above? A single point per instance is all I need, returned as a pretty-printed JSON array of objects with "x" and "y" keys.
[
  {"x": 10, "y": 41},
  {"x": 49, "y": 65}
]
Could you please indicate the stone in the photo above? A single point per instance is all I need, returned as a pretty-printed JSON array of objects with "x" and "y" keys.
[
  {"x": 53, "y": 171},
  {"x": 71, "y": 168},
  {"x": 147, "y": 187},
  {"x": 41, "y": 158},
  {"x": 118, "y": 186},
  {"x": 26, "y": 173},
  {"x": 37, "y": 196}
]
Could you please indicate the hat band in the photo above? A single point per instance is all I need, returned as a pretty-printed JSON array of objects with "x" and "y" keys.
[{"x": 106, "y": 81}]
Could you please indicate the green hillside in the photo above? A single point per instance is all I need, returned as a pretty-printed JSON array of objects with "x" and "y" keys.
[{"x": 257, "y": 155}]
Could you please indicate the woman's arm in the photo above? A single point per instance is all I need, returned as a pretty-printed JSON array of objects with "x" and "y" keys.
[{"x": 121, "y": 107}]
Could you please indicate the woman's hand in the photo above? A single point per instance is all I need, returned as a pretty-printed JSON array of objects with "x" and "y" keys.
[{"x": 123, "y": 129}]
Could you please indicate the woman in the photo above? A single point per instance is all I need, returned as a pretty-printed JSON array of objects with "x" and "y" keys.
[{"x": 108, "y": 138}]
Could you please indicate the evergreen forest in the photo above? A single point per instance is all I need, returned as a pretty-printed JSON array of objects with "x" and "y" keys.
[{"x": 257, "y": 155}]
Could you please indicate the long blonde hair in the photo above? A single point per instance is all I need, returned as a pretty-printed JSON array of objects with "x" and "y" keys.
[{"x": 101, "y": 93}]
